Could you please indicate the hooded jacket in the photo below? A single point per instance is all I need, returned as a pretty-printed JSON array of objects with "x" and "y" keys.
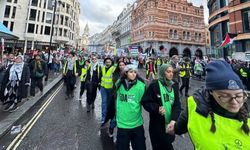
[{"x": 202, "y": 99}]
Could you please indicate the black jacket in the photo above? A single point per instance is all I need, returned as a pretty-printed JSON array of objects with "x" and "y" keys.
[
  {"x": 23, "y": 88},
  {"x": 44, "y": 69},
  {"x": 203, "y": 100},
  {"x": 151, "y": 102},
  {"x": 96, "y": 77}
]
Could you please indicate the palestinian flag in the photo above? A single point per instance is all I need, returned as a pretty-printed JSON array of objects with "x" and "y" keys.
[{"x": 229, "y": 38}]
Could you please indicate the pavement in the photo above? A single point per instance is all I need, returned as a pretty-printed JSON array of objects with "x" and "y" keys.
[{"x": 9, "y": 119}]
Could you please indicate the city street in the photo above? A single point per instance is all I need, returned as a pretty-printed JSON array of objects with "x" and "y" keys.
[{"x": 65, "y": 124}]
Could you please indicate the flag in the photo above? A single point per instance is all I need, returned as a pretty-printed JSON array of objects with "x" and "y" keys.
[{"x": 228, "y": 40}]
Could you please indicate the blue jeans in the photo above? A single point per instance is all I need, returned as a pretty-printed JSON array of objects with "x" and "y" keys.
[{"x": 106, "y": 99}]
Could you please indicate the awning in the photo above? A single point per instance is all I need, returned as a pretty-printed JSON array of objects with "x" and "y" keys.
[{"x": 6, "y": 33}]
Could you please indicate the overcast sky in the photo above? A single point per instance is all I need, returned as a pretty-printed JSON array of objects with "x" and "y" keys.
[{"x": 101, "y": 13}]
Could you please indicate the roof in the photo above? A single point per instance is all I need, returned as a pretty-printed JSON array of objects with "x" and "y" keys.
[{"x": 6, "y": 33}]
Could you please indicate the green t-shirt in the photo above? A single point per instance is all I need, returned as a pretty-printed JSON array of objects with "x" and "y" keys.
[
  {"x": 167, "y": 98},
  {"x": 128, "y": 106}
]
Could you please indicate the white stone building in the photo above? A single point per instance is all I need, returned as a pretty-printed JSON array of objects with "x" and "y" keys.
[{"x": 31, "y": 21}]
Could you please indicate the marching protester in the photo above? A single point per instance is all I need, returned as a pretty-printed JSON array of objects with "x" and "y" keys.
[
  {"x": 216, "y": 116},
  {"x": 162, "y": 102},
  {"x": 129, "y": 93},
  {"x": 151, "y": 71},
  {"x": 38, "y": 69},
  {"x": 15, "y": 84},
  {"x": 185, "y": 74},
  {"x": 93, "y": 79},
  {"x": 174, "y": 62},
  {"x": 106, "y": 85},
  {"x": 83, "y": 77},
  {"x": 70, "y": 73}
]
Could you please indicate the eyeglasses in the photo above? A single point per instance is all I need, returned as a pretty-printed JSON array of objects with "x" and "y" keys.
[{"x": 241, "y": 98}]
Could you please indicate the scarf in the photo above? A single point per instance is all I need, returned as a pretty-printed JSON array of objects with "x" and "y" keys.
[
  {"x": 16, "y": 72},
  {"x": 162, "y": 77},
  {"x": 93, "y": 68},
  {"x": 70, "y": 64}
]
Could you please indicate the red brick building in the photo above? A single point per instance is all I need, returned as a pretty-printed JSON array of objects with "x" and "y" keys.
[{"x": 175, "y": 24}]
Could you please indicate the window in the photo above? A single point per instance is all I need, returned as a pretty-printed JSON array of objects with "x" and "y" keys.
[
  {"x": 43, "y": 16},
  {"x": 9, "y": 1},
  {"x": 36, "y": 29},
  {"x": 65, "y": 32},
  {"x": 47, "y": 30},
  {"x": 7, "y": 11},
  {"x": 15, "y": 1},
  {"x": 188, "y": 35},
  {"x": 61, "y": 18},
  {"x": 34, "y": 2},
  {"x": 246, "y": 21},
  {"x": 199, "y": 36},
  {"x": 11, "y": 26},
  {"x": 60, "y": 31},
  {"x": 5, "y": 23},
  {"x": 49, "y": 18},
  {"x": 41, "y": 31},
  {"x": 13, "y": 12},
  {"x": 171, "y": 35},
  {"x": 33, "y": 14},
  {"x": 38, "y": 16},
  {"x": 175, "y": 34},
  {"x": 50, "y": 5},
  {"x": 31, "y": 28},
  {"x": 44, "y": 4}
]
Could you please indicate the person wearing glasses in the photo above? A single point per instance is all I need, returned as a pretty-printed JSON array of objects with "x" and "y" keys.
[{"x": 217, "y": 115}]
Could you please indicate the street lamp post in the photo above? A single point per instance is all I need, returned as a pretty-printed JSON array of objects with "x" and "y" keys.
[{"x": 52, "y": 30}]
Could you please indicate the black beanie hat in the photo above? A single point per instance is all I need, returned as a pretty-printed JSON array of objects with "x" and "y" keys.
[{"x": 220, "y": 76}]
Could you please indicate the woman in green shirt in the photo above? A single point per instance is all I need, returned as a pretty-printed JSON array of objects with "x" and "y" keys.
[{"x": 129, "y": 92}]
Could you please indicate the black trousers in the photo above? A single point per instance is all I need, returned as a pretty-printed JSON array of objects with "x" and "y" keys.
[
  {"x": 135, "y": 136},
  {"x": 36, "y": 83},
  {"x": 70, "y": 83},
  {"x": 82, "y": 88},
  {"x": 185, "y": 84},
  {"x": 176, "y": 86},
  {"x": 91, "y": 88}
]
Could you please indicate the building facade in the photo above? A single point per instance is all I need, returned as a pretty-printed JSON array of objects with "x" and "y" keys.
[
  {"x": 229, "y": 16},
  {"x": 176, "y": 25},
  {"x": 31, "y": 21}
]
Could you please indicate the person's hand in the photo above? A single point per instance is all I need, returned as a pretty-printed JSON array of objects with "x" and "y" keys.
[
  {"x": 27, "y": 84},
  {"x": 76, "y": 74},
  {"x": 161, "y": 111},
  {"x": 170, "y": 127}
]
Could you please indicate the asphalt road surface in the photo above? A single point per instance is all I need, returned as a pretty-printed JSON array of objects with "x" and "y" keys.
[{"x": 61, "y": 124}]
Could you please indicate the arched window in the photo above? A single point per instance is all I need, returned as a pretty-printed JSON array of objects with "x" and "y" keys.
[
  {"x": 175, "y": 34},
  {"x": 171, "y": 33}
]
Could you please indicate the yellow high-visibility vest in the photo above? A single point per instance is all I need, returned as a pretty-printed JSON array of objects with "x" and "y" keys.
[
  {"x": 83, "y": 74},
  {"x": 183, "y": 72},
  {"x": 228, "y": 135},
  {"x": 106, "y": 81},
  {"x": 243, "y": 73},
  {"x": 66, "y": 65}
]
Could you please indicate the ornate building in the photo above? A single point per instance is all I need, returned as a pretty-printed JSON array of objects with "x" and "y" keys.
[
  {"x": 231, "y": 16},
  {"x": 175, "y": 24},
  {"x": 85, "y": 37}
]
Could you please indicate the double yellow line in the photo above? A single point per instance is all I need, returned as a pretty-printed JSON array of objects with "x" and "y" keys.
[{"x": 25, "y": 130}]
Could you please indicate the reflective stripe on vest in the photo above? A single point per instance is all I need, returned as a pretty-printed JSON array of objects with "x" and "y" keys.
[
  {"x": 83, "y": 74},
  {"x": 183, "y": 73},
  {"x": 107, "y": 81},
  {"x": 228, "y": 135},
  {"x": 243, "y": 73}
]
